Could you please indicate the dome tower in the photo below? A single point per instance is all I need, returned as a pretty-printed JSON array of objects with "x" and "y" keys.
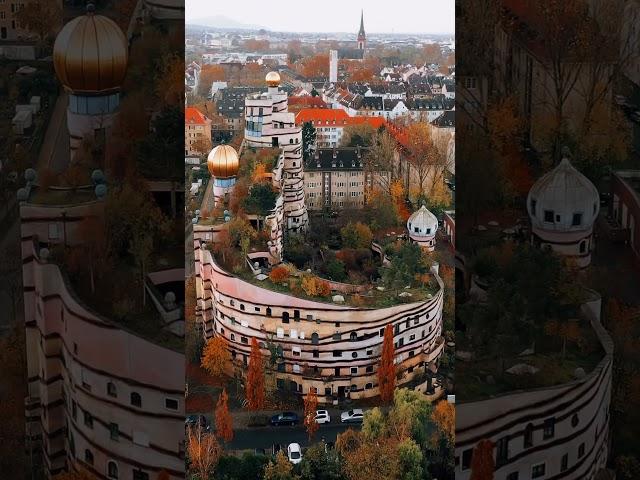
[
  {"x": 422, "y": 226},
  {"x": 563, "y": 205},
  {"x": 90, "y": 60},
  {"x": 223, "y": 164}
]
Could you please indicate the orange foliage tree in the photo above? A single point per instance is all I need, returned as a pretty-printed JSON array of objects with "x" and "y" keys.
[
  {"x": 163, "y": 475},
  {"x": 224, "y": 422},
  {"x": 279, "y": 274},
  {"x": 387, "y": 367},
  {"x": 444, "y": 416},
  {"x": 315, "y": 287},
  {"x": 204, "y": 452},
  {"x": 208, "y": 75},
  {"x": 310, "y": 406},
  {"x": 215, "y": 356},
  {"x": 482, "y": 464},
  {"x": 170, "y": 81},
  {"x": 316, "y": 66},
  {"x": 254, "y": 389}
]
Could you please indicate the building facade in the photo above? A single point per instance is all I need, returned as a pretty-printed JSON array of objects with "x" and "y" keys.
[
  {"x": 268, "y": 123},
  {"x": 101, "y": 398},
  {"x": 625, "y": 208},
  {"x": 333, "y": 348},
  {"x": 559, "y": 432},
  {"x": 197, "y": 132}
]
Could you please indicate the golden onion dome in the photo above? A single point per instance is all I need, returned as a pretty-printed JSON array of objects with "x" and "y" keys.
[
  {"x": 273, "y": 79},
  {"x": 223, "y": 162},
  {"x": 90, "y": 54}
]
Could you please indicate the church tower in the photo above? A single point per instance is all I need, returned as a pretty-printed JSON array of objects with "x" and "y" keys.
[{"x": 362, "y": 38}]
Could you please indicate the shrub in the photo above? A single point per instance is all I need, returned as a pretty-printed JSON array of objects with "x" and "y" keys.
[{"x": 279, "y": 274}]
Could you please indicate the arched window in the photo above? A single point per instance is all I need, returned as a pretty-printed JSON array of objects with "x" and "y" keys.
[
  {"x": 583, "y": 246},
  {"x": 354, "y": 354},
  {"x": 112, "y": 469},
  {"x": 111, "y": 389},
  {"x": 88, "y": 456},
  {"x": 575, "y": 420},
  {"x": 268, "y": 311},
  {"x": 353, "y": 337},
  {"x": 528, "y": 436},
  {"x": 136, "y": 399},
  {"x": 314, "y": 338}
]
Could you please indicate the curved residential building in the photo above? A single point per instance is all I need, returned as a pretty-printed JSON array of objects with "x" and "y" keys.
[
  {"x": 563, "y": 205},
  {"x": 270, "y": 124},
  {"x": 560, "y": 432},
  {"x": 334, "y": 348},
  {"x": 102, "y": 398}
]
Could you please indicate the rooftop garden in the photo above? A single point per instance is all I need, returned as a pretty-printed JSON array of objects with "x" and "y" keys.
[
  {"x": 127, "y": 238},
  {"x": 526, "y": 331}
]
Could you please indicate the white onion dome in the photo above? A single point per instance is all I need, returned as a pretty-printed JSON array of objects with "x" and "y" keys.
[
  {"x": 223, "y": 162},
  {"x": 563, "y": 200},
  {"x": 422, "y": 223}
]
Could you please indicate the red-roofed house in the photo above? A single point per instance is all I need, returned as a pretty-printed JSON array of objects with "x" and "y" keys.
[
  {"x": 330, "y": 123},
  {"x": 197, "y": 132},
  {"x": 298, "y": 103}
]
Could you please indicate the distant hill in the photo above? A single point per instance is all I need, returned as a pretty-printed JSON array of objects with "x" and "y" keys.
[{"x": 220, "y": 21}]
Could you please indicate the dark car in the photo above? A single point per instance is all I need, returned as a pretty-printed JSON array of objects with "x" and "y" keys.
[
  {"x": 284, "y": 418},
  {"x": 192, "y": 421}
]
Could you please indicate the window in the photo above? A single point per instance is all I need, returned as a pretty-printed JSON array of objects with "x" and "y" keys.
[
  {"x": 314, "y": 338},
  {"x": 285, "y": 317},
  {"x": 136, "y": 399},
  {"x": 575, "y": 420},
  {"x": 337, "y": 336},
  {"x": 112, "y": 469},
  {"x": 548, "y": 216},
  {"x": 354, "y": 354},
  {"x": 576, "y": 220},
  {"x": 337, "y": 353},
  {"x": 171, "y": 404},
  {"x": 353, "y": 336},
  {"x": 564, "y": 464},
  {"x": 466, "y": 458},
  {"x": 502, "y": 450},
  {"x": 513, "y": 476},
  {"x": 111, "y": 389},
  {"x": 244, "y": 340},
  {"x": 581, "y": 450},
  {"x": 369, "y": 352},
  {"x": 549, "y": 428},
  {"x": 583, "y": 246},
  {"x": 88, "y": 456},
  {"x": 369, "y": 369},
  {"x": 528, "y": 436},
  {"x": 368, "y": 386},
  {"x": 140, "y": 475},
  {"x": 88, "y": 419},
  {"x": 316, "y": 353},
  {"x": 538, "y": 470},
  {"x": 268, "y": 311},
  {"x": 114, "y": 431},
  {"x": 354, "y": 370}
]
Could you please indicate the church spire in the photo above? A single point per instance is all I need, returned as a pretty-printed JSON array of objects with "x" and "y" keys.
[{"x": 362, "y": 38}]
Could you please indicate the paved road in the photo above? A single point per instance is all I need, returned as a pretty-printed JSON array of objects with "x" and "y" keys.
[{"x": 265, "y": 437}]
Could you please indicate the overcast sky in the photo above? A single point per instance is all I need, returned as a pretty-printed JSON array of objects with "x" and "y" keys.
[{"x": 380, "y": 16}]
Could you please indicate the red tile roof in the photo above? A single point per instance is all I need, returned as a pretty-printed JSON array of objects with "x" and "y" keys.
[
  {"x": 194, "y": 116},
  {"x": 342, "y": 118},
  {"x": 310, "y": 102}
]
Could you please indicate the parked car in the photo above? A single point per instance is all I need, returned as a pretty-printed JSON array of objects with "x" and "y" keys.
[
  {"x": 284, "y": 418},
  {"x": 352, "y": 416},
  {"x": 294, "y": 453},
  {"x": 322, "y": 416},
  {"x": 192, "y": 421}
]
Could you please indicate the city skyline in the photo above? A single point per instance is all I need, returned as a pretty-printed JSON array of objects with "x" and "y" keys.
[{"x": 429, "y": 17}]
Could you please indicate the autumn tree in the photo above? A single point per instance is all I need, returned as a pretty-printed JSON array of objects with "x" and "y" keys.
[
  {"x": 565, "y": 330},
  {"x": 280, "y": 469},
  {"x": 359, "y": 135},
  {"x": 209, "y": 74},
  {"x": 170, "y": 80},
  {"x": 316, "y": 66},
  {"x": 91, "y": 252},
  {"x": 215, "y": 356},
  {"x": 279, "y": 274},
  {"x": 255, "y": 391},
  {"x": 373, "y": 460},
  {"x": 203, "y": 450},
  {"x": 40, "y": 16},
  {"x": 482, "y": 463},
  {"x": 410, "y": 458},
  {"x": 387, "y": 367},
  {"x": 356, "y": 235},
  {"x": 444, "y": 416},
  {"x": 163, "y": 475},
  {"x": 224, "y": 421},
  {"x": 314, "y": 286},
  {"x": 310, "y": 407},
  {"x": 380, "y": 158}
]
